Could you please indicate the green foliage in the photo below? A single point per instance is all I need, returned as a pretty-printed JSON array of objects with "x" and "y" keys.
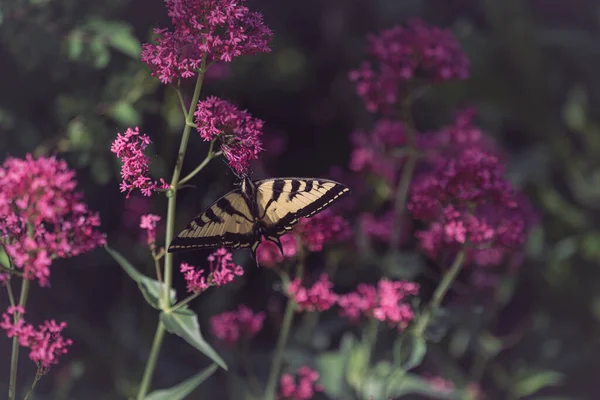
[
  {"x": 184, "y": 323},
  {"x": 183, "y": 389}
]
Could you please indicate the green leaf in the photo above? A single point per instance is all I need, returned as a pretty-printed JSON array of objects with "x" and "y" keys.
[
  {"x": 4, "y": 260},
  {"x": 409, "y": 351},
  {"x": 184, "y": 323},
  {"x": 75, "y": 44},
  {"x": 401, "y": 384},
  {"x": 101, "y": 55},
  {"x": 124, "y": 113},
  {"x": 150, "y": 288},
  {"x": 181, "y": 390},
  {"x": 536, "y": 381},
  {"x": 357, "y": 365},
  {"x": 126, "y": 43},
  {"x": 332, "y": 366}
]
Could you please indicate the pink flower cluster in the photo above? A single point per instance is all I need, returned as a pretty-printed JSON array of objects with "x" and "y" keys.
[
  {"x": 218, "y": 29},
  {"x": 222, "y": 271},
  {"x": 404, "y": 55},
  {"x": 135, "y": 171},
  {"x": 313, "y": 233},
  {"x": 467, "y": 200},
  {"x": 302, "y": 389},
  {"x": 319, "y": 297},
  {"x": 42, "y": 217},
  {"x": 46, "y": 343},
  {"x": 237, "y": 130},
  {"x": 231, "y": 326},
  {"x": 148, "y": 222},
  {"x": 386, "y": 303}
]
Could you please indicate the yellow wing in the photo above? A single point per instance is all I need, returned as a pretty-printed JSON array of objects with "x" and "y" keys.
[
  {"x": 282, "y": 201},
  {"x": 227, "y": 222}
]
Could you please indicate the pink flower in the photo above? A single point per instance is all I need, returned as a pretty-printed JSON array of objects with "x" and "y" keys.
[
  {"x": 222, "y": 271},
  {"x": 319, "y": 297},
  {"x": 386, "y": 303},
  {"x": 321, "y": 229},
  {"x": 231, "y": 326},
  {"x": 148, "y": 222},
  {"x": 466, "y": 199},
  {"x": 380, "y": 227},
  {"x": 237, "y": 130},
  {"x": 218, "y": 29},
  {"x": 268, "y": 254},
  {"x": 42, "y": 217},
  {"x": 404, "y": 55},
  {"x": 440, "y": 384},
  {"x": 302, "y": 389},
  {"x": 46, "y": 343},
  {"x": 135, "y": 171}
]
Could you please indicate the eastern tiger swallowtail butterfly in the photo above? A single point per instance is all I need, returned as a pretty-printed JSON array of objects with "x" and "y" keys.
[{"x": 266, "y": 208}]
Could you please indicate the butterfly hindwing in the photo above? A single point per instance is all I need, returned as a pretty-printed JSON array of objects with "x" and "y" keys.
[
  {"x": 282, "y": 201},
  {"x": 227, "y": 222}
]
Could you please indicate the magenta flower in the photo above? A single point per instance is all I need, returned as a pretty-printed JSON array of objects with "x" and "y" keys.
[
  {"x": 222, "y": 271},
  {"x": 135, "y": 171},
  {"x": 321, "y": 229},
  {"x": 379, "y": 228},
  {"x": 237, "y": 130},
  {"x": 302, "y": 389},
  {"x": 42, "y": 217},
  {"x": 148, "y": 222},
  {"x": 268, "y": 254},
  {"x": 46, "y": 343},
  {"x": 319, "y": 297},
  {"x": 403, "y": 55},
  {"x": 386, "y": 303},
  {"x": 466, "y": 200},
  {"x": 232, "y": 326},
  {"x": 218, "y": 29}
]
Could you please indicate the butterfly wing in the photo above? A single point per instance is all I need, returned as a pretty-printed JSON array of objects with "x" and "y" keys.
[
  {"x": 227, "y": 222},
  {"x": 282, "y": 201}
]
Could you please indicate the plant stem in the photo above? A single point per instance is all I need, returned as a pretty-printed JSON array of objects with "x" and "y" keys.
[
  {"x": 283, "y": 335},
  {"x": 37, "y": 378},
  {"x": 185, "y": 301},
  {"x": 151, "y": 363},
  {"x": 407, "y": 172},
  {"x": 439, "y": 293},
  {"x": 370, "y": 338},
  {"x": 203, "y": 164},
  {"x": 14, "y": 358},
  {"x": 170, "y": 228}
]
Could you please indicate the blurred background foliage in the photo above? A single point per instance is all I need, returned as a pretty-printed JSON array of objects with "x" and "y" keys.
[{"x": 71, "y": 79}]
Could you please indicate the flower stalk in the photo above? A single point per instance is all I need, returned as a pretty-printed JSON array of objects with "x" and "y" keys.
[
  {"x": 170, "y": 229},
  {"x": 14, "y": 357}
]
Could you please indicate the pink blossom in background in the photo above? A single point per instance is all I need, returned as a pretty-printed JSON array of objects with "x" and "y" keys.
[
  {"x": 42, "y": 217},
  {"x": 302, "y": 388},
  {"x": 217, "y": 71},
  {"x": 148, "y": 222},
  {"x": 135, "y": 171},
  {"x": 4, "y": 277},
  {"x": 440, "y": 384},
  {"x": 46, "y": 343},
  {"x": 268, "y": 254},
  {"x": 380, "y": 227},
  {"x": 135, "y": 206},
  {"x": 221, "y": 271},
  {"x": 402, "y": 56},
  {"x": 321, "y": 229},
  {"x": 466, "y": 199},
  {"x": 219, "y": 29},
  {"x": 238, "y": 131},
  {"x": 232, "y": 326},
  {"x": 387, "y": 303},
  {"x": 318, "y": 297}
]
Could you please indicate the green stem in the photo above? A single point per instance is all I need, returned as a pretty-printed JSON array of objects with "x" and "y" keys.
[
  {"x": 185, "y": 301},
  {"x": 203, "y": 164},
  {"x": 283, "y": 336},
  {"x": 439, "y": 293},
  {"x": 151, "y": 363},
  {"x": 14, "y": 358},
  {"x": 170, "y": 228},
  {"x": 407, "y": 172},
  {"x": 37, "y": 378},
  {"x": 370, "y": 338}
]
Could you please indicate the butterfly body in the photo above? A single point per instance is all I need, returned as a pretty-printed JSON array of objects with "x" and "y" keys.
[{"x": 265, "y": 208}]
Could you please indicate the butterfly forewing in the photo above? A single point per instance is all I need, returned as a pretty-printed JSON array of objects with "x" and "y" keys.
[
  {"x": 282, "y": 201},
  {"x": 227, "y": 222}
]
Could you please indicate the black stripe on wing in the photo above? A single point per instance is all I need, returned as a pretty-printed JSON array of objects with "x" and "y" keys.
[
  {"x": 323, "y": 200},
  {"x": 228, "y": 239}
]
